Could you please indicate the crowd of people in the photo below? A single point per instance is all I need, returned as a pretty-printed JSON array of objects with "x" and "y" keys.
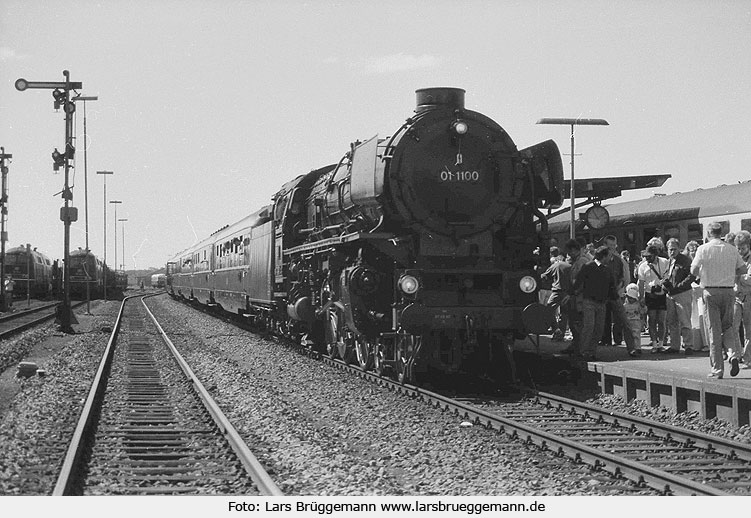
[{"x": 690, "y": 299}]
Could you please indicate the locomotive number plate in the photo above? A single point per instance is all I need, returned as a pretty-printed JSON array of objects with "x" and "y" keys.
[{"x": 459, "y": 176}]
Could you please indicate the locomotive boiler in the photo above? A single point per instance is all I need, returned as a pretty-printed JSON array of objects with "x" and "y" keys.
[{"x": 412, "y": 254}]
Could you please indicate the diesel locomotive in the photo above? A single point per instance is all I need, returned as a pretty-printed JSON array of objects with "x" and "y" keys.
[
  {"x": 414, "y": 253},
  {"x": 86, "y": 268},
  {"x": 33, "y": 272}
]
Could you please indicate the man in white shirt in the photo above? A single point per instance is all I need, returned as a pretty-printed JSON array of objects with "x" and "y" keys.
[{"x": 716, "y": 264}]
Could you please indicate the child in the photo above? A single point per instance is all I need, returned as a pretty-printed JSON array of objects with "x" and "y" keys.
[{"x": 634, "y": 312}]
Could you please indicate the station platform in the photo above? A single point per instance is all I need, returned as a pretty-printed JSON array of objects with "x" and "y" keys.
[{"x": 675, "y": 381}]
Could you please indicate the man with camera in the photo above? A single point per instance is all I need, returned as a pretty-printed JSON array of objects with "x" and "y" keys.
[{"x": 651, "y": 274}]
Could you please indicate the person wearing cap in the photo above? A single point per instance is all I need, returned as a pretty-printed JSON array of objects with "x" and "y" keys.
[
  {"x": 716, "y": 264},
  {"x": 678, "y": 285},
  {"x": 634, "y": 312}
]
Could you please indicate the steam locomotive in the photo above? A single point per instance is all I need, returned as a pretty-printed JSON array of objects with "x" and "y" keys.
[{"x": 413, "y": 254}]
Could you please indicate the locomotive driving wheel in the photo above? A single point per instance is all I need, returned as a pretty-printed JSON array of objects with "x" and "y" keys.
[
  {"x": 332, "y": 333},
  {"x": 346, "y": 347},
  {"x": 339, "y": 342},
  {"x": 379, "y": 358},
  {"x": 405, "y": 351},
  {"x": 364, "y": 352}
]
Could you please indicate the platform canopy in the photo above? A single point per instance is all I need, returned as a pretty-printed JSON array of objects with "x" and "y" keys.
[{"x": 612, "y": 187}]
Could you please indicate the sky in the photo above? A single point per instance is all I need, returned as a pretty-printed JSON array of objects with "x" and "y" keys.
[{"x": 206, "y": 107}]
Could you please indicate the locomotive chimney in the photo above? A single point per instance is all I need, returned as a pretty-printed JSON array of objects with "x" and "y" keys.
[{"x": 430, "y": 98}]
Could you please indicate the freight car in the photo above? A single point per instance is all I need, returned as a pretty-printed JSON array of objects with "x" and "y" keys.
[
  {"x": 31, "y": 271},
  {"x": 414, "y": 253}
]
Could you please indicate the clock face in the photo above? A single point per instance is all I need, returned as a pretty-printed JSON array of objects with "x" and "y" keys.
[{"x": 597, "y": 216}]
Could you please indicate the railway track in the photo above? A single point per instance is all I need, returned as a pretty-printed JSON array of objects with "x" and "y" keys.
[
  {"x": 14, "y": 323},
  {"x": 668, "y": 459},
  {"x": 150, "y": 427}
]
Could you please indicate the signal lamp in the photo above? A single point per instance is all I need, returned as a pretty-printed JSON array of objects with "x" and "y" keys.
[
  {"x": 527, "y": 284},
  {"x": 58, "y": 160},
  {"x": 459, "y": 127},
  {"x": 409, "y": 284}
]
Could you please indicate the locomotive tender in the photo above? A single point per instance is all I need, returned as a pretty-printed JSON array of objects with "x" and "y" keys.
[{"x": 413, "y": 253}]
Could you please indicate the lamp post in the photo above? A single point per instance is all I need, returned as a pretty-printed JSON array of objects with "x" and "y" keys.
[
  {"x": 80, "y": 98},
  {"x": 68, "y": 214},
  {"x": 572, "y": 123},
  {"x": 3, "y": 233},
  {"x": 115, "y": 203},
  {"x": 123, "y": 263},
  {"x": 105, "y": 173}
]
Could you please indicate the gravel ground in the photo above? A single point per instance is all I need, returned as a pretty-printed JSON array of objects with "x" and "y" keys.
[
  {"x": 321, "y": 431},
  {"x": 39, "y": 422},
  {"x": 690, "y": 420},
  {"x": 318, "y": 430}
]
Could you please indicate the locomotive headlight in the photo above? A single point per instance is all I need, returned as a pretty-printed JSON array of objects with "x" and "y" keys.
[
  {"x": 527, "y": 284},
  {"x": 460, "y": 127},
  {"x": 409, "y": 284}
]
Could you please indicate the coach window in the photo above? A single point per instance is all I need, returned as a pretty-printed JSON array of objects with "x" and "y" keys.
[
  {"x": 649, "y": 233},
  {"x": 696, "y": 232},
  {"x": 746, "y": 224},
  {"x": 725, "y": 227},
  {"x": 672, "y": 231}
]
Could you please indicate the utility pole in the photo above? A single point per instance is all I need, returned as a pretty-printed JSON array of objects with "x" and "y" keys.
[
  {"x": 61, "y": 93},
  {"x": 105, "y": 173},
  {"x": 3, "y": 232},
  {"x": 123, "y": 220},
  {"x": 80, "y": 98},
  {"x": 116, "y": 203}
]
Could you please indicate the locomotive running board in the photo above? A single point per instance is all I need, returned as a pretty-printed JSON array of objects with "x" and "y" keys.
[{"x": 348, "y": 238}]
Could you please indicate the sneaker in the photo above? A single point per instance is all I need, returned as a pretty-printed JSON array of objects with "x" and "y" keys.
[
  {"x": 715, "y": 375},
  {"x": 670, "y": 350},
  {"x": 688, "y": 351},
  {"x": 635, "y": 353},
  {"x": 557, "y": 336},
  {"x": 656, "y": 349},
  {"x": 734, "y": 368}
]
